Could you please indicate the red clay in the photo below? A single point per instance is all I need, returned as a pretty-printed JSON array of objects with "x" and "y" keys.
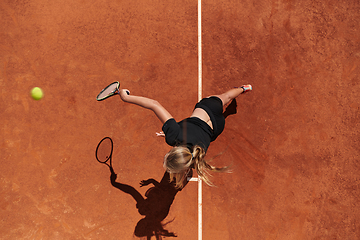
[{"x": 293, "y": 143}]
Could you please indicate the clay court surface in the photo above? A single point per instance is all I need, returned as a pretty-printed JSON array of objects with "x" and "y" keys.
[{"x": 293, "y": 143}]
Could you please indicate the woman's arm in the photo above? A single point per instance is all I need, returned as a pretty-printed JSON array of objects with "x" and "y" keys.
[{"x": 147, "y": 103}]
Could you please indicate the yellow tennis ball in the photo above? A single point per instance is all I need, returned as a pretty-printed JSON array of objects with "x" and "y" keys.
[{"x": 37, "y": 93}]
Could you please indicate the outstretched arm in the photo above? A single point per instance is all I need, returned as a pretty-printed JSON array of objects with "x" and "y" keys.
[{"x": 147, "y": 103}]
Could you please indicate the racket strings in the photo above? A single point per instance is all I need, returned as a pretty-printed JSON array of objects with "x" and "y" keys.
[{"x": 108, "y": 91}]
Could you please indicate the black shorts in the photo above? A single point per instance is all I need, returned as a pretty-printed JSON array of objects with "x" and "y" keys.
[{"x": 214, "y": 108}]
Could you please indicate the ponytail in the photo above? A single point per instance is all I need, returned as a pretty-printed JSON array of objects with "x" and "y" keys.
[
  {"x": 179, "y": 161},
  {"x": 202, "y": 167}
]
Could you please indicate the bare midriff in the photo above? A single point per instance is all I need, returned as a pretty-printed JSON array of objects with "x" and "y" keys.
[{"x": 202, "y": 114}]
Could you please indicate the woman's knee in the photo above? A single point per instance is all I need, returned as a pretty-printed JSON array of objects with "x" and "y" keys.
[{"x": 225, "y": 98}]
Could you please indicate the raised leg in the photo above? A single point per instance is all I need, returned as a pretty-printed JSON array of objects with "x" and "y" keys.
[{"x": 233, "y": 93}]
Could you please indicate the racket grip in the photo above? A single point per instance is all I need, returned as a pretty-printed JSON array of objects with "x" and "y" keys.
[{"x": 127, "y": 92}]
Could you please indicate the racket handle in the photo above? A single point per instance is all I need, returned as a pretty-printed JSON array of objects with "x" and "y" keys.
[{"x": 127, "y": 92}]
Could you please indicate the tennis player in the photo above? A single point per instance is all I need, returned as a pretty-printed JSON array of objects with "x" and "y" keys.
[{"x": 190, "y": 137}]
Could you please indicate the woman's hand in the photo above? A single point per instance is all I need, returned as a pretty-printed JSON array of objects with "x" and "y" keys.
[
  {"x": 124, "y": 93},
  {"x": 160, "y": 134}
]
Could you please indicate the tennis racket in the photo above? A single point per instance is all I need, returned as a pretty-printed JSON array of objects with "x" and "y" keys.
[
  {"x": 104, "y": 152},
  {"x": 109, "y": 91}
]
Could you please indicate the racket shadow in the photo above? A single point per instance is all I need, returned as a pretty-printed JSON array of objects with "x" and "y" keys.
[{"x": 154, "y": 206}]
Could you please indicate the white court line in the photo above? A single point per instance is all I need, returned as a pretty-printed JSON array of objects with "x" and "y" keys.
[
  {"x": 199, "y": 53},
  {"x": 193, "y": 179},
  {"x": 199, "y": 98}
]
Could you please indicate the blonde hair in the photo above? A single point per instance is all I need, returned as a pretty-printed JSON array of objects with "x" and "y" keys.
[{"x": 179, "y": 160}]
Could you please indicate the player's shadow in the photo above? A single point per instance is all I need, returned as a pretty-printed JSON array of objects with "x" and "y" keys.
[
  {"x": 230, "y": 109},
  {"x": 155, "y": 206}
]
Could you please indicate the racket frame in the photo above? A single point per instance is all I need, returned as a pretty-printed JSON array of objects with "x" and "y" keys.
[{"x": 116, "y": 91}]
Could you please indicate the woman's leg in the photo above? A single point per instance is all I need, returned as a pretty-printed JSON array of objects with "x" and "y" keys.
[{"x": 233, "y": 93}]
